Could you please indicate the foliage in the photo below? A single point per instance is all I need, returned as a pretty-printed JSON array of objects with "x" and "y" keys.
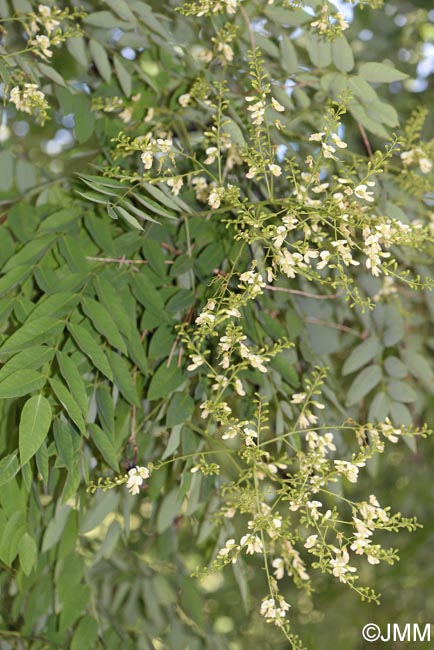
[{"x": 215, "y": 311}]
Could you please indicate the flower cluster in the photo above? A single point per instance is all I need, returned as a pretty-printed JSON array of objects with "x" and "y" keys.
[{"x": 30, "y": 99}]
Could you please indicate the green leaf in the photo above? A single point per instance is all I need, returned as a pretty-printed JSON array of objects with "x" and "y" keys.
[
  {"x": 287, "y": 16},
  {"x": 418, "y": 365},
  {"x": 233, "y": 130},
  {"x": 180, "y": 301},
  {"x": 34, "y": 425},
  {"x": 128, "y": 217},
  {"x": 42, "y": 462},
  {"x": 104, "y": 445},
  {"x": 77, "y": 48},
  {"x": 20, "y": 383},
  {"x": 123, "y": 377},
  {"x": 165, "y": 381},
  {"x": 100, "y": 58},
  {"x": 289, "y": 55},
  {"x": 84, "y": 118},
  {"x": 57, "y": 304},
  {"x": 395, "y": 327},
  {"x": 342, "y": 54},
  {"x": 395, "y": 368},
  {"x": 173, "y": 442},
  {"x": 168, "y": 511},
  {"x": 361, "y": 355},
  {"x": 106, "y": 409},
  {"x": 319, "y": 50},
  {"x": 14, "y": 277},
  {"x": 363, "y": 384},
  {"x": 55, "y": 527},
  {"x": 103, "y": 323},
  {"x": 101, "y": 507},
  {"x": 379, "y": 408},
  {"x": 27, "y": 553},
  {"x": 34, "y": 330},
  {"x": 30, "y": 252},
  {"x": 52, "y": 74},
  {"x": 12, "y": 534},
  {"x": 124, "y": 77},
  {"x": 63, "y": 435},
  {"x": 9, "y": 466},
  {"x": 380, "y": 73},
  {"x": 85, "y": 635},
  {"x": 400, "y": 391},
  {"x": 180, "y": 409},
  {"x": 400, "y": 415},
  {"x": 148, "y": 295},
  {"x": 91, "y": 347},
  {"x": 73, "y": 378},
  {"x": 68, "y": 402},
  {"x": 103, "y": 20},
  {"x": 359, "y": 114}
]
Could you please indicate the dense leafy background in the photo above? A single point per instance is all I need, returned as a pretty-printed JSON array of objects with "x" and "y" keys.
[{"x": 88, "y": 339}]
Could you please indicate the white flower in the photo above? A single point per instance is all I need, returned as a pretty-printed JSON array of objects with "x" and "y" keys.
[
  {"x": 349, "y": 470},
  {"x": 147, "y": 159},
  {"x": 214, "y": 199},
  {"x": 230, "y": 433},
  {"x": 175, "y": 183},
  {"x": 231, "y": 6},
  {"x": 317, "y": 137},
  {"x": 49, "y": 23},
  {"x": 407, "y": 157},
  {"x": 325, "y": 257},
  {"x": 184, "y": 100},
  {"x": 136, "y": 475},
  {"x": 276, "y": 105},
  {"x": 276, "y": 170},
  {"x": 298, "y": 398},
  {"x": 338, "y": 142},
  {"x": 197, "y": 361},
  {"x": 340, "y": 564},
  {"x": 257, "y": 362},
  {"x": 250, "y": 435},
  {"x": 229, "y": 546},
  {"x": 328, "y": 151},
  {"x": 311, "y": 541},
  {"x": 42, "y": 43},
  {"x": 272, "y": 611},
  {"x": 362, "y": 192},
  {"x": 149, "y": 115},
  {"x": 253, "y": 543},
  {"x": 279, "y": 567},
  {"x": 425, "y": 165},
  {"x": 164, "y": 145},
  {"x": 252, "y": 172},
  {"x": 211, "y": 155},
  {"x": 227, "y": 51},
  {"x": 313, "y": 507},
  {"x": 205, "y": 318},
  {"x": 257, "y": 110}
]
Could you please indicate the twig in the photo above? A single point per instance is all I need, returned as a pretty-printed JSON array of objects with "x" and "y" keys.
[
  {"x": 120, "y": 260},
  {"x": 336, "y": 326},
  {"x": 249, "y": 26},
  {"x": 306, "y": 294},
  {"x": 132, "y": 439},
  {"x": 365, "y": 139}
]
